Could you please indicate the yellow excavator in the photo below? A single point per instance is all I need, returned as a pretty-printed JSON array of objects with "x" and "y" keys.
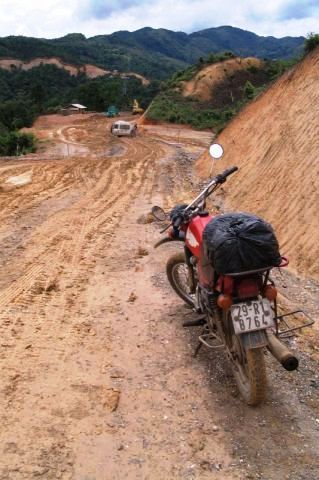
[{"x": 137, "y": 110}]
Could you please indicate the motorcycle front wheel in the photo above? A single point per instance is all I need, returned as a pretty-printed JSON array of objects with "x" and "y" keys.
[{"x": 178, "y": 276}]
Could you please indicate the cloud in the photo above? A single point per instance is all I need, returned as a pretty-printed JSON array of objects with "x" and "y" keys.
[
  {"x": 55, "y": 18},
  {"x": 36, "y": 18},
  {"x": 104, "y": 8},
  {"x": 191, "y": 15},
  {"x": 297, "y": 9}
]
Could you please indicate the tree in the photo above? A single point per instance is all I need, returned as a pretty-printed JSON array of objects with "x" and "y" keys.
[
  {"x": 38, "y": 95},
  {"x": 15, "y": 143},
  {"x": 311, "y": 42},
  {"x": 16, "y": 114},
  {"x": 249, "y": 90},
  {"x": 90, "y": 95}
]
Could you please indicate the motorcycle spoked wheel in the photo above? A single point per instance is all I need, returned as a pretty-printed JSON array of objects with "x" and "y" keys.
[
  {"x": 249, "y": 370},
  {"x": 178, "y": 276}
]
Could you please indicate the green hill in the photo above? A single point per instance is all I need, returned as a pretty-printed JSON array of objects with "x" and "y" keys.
[
  {"x": 211, "y": 92},
  {"x": 155, "y": 53}
]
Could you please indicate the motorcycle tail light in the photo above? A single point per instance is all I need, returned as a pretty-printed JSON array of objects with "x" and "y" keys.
[
  {"x": 224, "y": 301},
  {"x": 270, "y": 292},
  {"x": 248, "y": 288}
]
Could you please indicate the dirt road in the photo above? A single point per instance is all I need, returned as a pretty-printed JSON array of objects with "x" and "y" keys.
[{"x": 98, "y": 380}]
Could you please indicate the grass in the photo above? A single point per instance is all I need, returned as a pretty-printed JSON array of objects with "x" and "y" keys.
[{"x": 174, "y": 108}]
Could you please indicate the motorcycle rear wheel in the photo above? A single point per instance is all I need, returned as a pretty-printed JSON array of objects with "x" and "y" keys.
[
  {"x": 178, "y": 276},
  {"x": 250, "y": 372}
]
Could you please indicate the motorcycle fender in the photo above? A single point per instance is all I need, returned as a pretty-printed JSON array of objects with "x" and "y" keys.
[{"x": 251, "y": 340}]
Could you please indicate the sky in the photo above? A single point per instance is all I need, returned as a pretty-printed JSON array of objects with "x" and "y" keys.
[{"x": 56, "y": 18}]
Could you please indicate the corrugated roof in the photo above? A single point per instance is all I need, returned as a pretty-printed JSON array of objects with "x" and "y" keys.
[{"x": 77, "y": 105}]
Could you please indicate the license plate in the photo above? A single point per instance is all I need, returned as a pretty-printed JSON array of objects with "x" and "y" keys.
[{"x": 252, "y": 315}]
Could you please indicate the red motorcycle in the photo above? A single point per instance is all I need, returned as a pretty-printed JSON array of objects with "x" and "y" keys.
[{"x": 238, "y": 309}]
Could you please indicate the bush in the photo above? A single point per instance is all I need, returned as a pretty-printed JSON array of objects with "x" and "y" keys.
[
  {"x": 15, "y": 114},
  {"x": 252, "y": 69},
  {"x": 15, "y": 143},
  {"x": 183, "y": 75},
  {"x": 249, "y": 90},
  {"x": 219, "y": 57},
  {"x": 311, "y": 42},
  {"x": 172, "y": 107}
]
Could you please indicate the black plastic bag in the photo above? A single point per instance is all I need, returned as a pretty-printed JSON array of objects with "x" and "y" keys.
[{"x": 238, "y": 242}]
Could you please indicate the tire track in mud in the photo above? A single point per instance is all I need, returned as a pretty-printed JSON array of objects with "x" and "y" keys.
[
  {"x": 50, "y": 330},
  {"x": 37, "y": 309},
  {"x": 97, "y": 237},
  {"x": 51, "y": 178},
  {"x": 40, "y": 279},
  {"x": 51, "y": 182}
]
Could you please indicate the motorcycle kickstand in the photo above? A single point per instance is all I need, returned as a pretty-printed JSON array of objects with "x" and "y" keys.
[
  {"x": 197, "y": 349},
  {"x": 200, "y": 344}
]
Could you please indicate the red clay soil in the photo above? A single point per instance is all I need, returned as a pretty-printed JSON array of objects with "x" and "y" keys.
[
  {"x": 202, "y": 85},
  {"x": 274, "y": 141},
  {"x": 98, "y": 379}
]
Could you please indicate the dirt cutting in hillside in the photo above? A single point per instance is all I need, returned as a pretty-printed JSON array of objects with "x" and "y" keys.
[
  {"x": 91, "y": 71},
  {"x": 209, "y": 78},
  {"x": 98, "y": 378}
]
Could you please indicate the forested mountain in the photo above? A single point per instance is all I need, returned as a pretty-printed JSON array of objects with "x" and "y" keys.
[
  {"x": 165, "y": 57},
  {"x": 155, "y": 53}
]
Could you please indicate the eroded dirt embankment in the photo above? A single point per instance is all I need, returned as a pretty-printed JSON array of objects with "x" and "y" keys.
[
  {"x": 275, "y": 143},
  {"x": 207, "y": 79},
  {"x": 91, "y": 71},
  {"x": 98, "y": 379}
]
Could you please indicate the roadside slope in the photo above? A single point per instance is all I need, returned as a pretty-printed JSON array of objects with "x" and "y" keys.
[
  {"x": 275, "y": 141},
  {"x": 212, "y": 91},
  {"x": 204, "y": 83}
]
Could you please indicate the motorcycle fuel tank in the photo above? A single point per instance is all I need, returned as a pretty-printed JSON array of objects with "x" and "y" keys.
[{"x": 194, "y": 233}]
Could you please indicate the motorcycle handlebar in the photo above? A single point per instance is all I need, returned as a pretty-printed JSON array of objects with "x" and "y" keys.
[
  {"x": 177, "y": 222},
  {"x": 221, "y": 178}
]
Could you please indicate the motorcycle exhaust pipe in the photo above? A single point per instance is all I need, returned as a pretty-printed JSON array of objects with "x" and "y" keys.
[{"x": 281, "y": 353}]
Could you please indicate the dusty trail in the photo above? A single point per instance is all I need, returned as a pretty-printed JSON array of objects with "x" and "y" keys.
[{"x": 98, "y": 380}]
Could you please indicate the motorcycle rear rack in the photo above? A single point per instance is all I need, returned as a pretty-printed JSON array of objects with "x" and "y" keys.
[{"x": 288, "y": 330}]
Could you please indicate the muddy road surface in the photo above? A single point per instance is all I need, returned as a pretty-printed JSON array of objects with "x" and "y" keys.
[{"x": 98, "y": 381}]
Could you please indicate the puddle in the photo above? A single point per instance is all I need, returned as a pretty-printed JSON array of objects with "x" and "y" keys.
[{"x": 20, "y": 180}]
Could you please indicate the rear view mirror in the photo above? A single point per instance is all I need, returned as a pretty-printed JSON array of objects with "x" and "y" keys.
[
  {"x": 216, "y": 151},
  {"x": 159, "y": 214}
]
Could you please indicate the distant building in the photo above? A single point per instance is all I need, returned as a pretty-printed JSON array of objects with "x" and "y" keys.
[{"x": 73, "y": 108}]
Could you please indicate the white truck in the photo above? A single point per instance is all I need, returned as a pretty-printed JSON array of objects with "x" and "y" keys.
[{"x": 124, "y": 129}]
